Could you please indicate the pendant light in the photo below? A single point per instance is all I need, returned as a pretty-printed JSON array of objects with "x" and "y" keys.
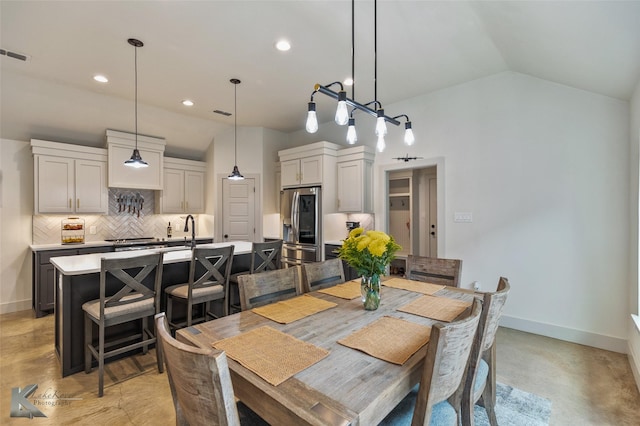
[
  {"x": 342, "y": 117},
  {"x": 235, "y": 174},
  {"x": 136, "y": 160}
]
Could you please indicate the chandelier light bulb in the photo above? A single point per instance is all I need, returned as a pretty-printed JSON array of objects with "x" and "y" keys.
[
  {"x": 381, "y": 145},
  {"x": 381, "y": 126},
  {"x": 312, "y": 120},
  {"x": 352, "y": 137},
  {"x": 409, "y": 139},
  {"x": 342, "y": 114}
]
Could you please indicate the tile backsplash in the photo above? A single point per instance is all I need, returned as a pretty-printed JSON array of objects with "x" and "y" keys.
[{"x": 118, "y": 224}]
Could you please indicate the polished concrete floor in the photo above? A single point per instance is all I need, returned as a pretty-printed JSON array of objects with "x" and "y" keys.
[{"x": 587, "y": 386}]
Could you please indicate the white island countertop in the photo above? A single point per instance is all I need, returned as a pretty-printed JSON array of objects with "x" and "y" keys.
[{"x": 90, "y": 263}]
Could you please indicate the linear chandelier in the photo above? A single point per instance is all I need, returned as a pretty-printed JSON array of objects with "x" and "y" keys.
[{"x": 343, "y": 116}]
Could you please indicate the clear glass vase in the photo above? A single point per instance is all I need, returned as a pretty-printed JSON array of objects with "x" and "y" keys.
[{"x": 370, "y": 289}]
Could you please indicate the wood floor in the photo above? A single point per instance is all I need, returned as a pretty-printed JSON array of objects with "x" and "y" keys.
[{"x": 587, "y": 386}]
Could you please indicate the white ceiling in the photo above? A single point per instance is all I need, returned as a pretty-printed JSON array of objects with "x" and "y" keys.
[{"x": 193, "y": 48}]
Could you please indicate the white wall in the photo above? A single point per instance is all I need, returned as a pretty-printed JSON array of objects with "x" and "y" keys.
[
  {"x": 16, "y": 208},
  {"x": 544, "y": 169}
]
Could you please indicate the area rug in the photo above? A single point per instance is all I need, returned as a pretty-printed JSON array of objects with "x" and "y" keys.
[{"x": 514, "y": 407}]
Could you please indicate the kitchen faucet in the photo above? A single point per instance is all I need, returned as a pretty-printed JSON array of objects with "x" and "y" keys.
[{"x": 193, "y": 230}]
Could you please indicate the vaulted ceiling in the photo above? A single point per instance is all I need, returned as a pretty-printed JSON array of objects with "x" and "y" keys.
[{"x": 193, "y": 48}]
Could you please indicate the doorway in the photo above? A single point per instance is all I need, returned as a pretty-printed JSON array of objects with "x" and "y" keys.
[
  {"x": 237, "y": 209},
  {"x": 412, "y": 207}
]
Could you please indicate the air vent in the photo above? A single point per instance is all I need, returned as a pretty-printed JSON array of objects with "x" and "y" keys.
[
  {"x": 225, "y": 113},
  {"x": 14, "y": 55}
]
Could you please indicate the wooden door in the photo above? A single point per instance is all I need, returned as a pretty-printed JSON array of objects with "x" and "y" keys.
[
  {"x": 55, "y": 185},
  {"x": 91, "y": 187},
  {"x": 238, "y": 210}
]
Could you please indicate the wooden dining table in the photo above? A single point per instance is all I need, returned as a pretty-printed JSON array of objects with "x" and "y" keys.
[{"x": 347, "y": 387}]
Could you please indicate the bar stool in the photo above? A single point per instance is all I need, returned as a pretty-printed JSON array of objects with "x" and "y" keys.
[{"x": 132, "y": 301}]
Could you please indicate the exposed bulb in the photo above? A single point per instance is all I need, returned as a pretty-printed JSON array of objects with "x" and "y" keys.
[
  {"x": 352, "y": 137},
  {"x": 381, "y": 126},
  {"x": 342, "y": 114},
  {"x": 312, "y": 122},
  {"x": 409, "y": 139},
  {"x": 381, "y": 145}
]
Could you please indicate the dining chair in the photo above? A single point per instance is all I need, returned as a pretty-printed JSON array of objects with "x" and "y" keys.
[
  {"x": 480, "y": 383},
  {"x": 268, "y": 287},
  {"x": 130, "y": 299},
  {"x": 434, "y": 270},
  {"x": 200, "y": 383},
  {"x": 213, "y": 268},
  {"x": 319, "y": 275},
  {"x": 445, "y": 364},
  {"x": 265, "y": 256}
]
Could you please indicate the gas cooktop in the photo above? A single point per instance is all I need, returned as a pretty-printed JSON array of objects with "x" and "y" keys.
[{"x": 130, "y": 240}]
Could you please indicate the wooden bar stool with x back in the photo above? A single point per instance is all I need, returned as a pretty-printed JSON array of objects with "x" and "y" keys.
[
  {"x": 214, "y": 268},
  {"x": 264, "y": 257},
  {"x": 125, "y": 296}
]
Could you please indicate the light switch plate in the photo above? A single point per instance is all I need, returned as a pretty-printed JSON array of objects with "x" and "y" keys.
[{"x": 463, "y": 217}]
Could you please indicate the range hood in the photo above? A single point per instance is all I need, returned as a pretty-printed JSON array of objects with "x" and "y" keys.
[{"x": 119, "y": 147}]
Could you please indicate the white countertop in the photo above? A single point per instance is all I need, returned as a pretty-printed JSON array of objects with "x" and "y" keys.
[
  {"x": 101, "y": 243},
  {"x": 90, "y": 263}
]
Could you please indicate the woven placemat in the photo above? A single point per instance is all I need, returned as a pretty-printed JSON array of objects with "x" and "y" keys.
[
  {"x": 416, "y": 286},
  {"x": 271, "y": 354},
  {"x": 437, "y": 308},
  {"x": 349, "y": 290},
  {"x": 291, "y": 310},
  {"x": 390, "y": 339}
]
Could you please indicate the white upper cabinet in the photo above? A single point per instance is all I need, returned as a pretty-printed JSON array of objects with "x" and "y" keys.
[
  {"x": 355, "y": 180},
  {"x": 120, "y": 146},
  {"x": 184, "y": 187},
  {"x": 69, "y": 178},
  {"x": 308, "y": 165}
]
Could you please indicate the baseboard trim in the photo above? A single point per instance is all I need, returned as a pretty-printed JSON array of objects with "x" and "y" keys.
[
  {"x": 634, "y": 348},
  {"x": 600, "y": 341},
  {"x": 20, "y": 305}
]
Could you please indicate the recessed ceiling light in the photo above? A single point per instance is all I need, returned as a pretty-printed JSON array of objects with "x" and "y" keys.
[
  {"x": 100, "y": 78},
  {"x": 187, "y": 102},
  {"x": 348, "y": 81},
  {"x": 283, "y": 45}
]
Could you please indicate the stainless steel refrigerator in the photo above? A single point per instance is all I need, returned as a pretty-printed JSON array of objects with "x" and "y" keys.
[{"x": 301, "y": 220}]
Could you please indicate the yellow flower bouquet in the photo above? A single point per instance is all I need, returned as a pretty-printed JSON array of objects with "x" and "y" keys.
[{"x": 369, "y": 253}]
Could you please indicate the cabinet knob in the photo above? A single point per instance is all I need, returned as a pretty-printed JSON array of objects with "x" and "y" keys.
[
  {"x": 433, "y": 233},
  {"x": 226, "y": 236}
]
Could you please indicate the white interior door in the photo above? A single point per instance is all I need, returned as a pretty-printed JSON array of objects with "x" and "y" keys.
[
  {"x": 238, "y": 210},
  {"x": 433, "y": 217}
]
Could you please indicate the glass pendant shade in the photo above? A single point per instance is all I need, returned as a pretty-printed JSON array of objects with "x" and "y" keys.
[
  {"x": 342, "y": 114},
  {"x": 409, "y": 139},
  {"x": 381, "y": 145},
  {"x": 352, "y": 136}
]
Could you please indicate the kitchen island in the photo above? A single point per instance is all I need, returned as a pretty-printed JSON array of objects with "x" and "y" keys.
[{"x": 78, "y": 281}]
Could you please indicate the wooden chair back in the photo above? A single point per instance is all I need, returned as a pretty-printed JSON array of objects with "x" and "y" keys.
[
  {"x": 199, "y": 379},
  {"x": 319, "y": 275},
  {"x": 217, "y": 264},
  {"x": 445, "y": 363},
  {"x": 132, "y": 287},
  {"x": 434, "y": 270},
  {"x": 268, "y": 287},
  {"x": 266, "y": 256},
  {"x": 484, "y": 348}
]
